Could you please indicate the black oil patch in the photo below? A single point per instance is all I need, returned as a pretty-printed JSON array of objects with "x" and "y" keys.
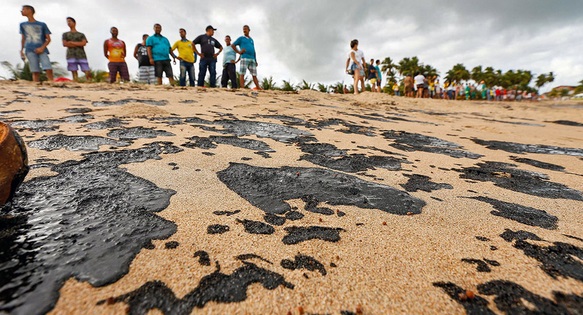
[
  {"x": 482, "y": 239},
  {"x": 87, "y": 222},
  {"x": 298, "y": 234},
  {"x": 539, "y": 164},
  {"x": 108, "y": 124},
  {"x": 482, "y": 265},
  {"x": 269, "y": 188},
  {"x": 274, "y": 219},
  {"x": 127, "y": 101},
  {"x": 525, "y": 215},
  {"x": 329, "y": 156},
  {"x": 212, "y": 141},
  {"x": 74, "y": 143},
  {"x": 294, "y": 215},
  {"x": 411, "y": 142},
  {"x": 256, "y": 227},
  {"x": 304, "y": 262},
  {"x": 138, "y": 133},
  {"x": 519, "y": 148},
  {"x": 245, "y": 257},
  {"x": 556, "y": 260},
  {"x": 217, "y": 229},
  {"x": 421, "y": 182},
  {"x": 171, "y": 245},
  {"x": 507, "y": 176},
  {"x": 260, "y": 129},
  {"x": 216, "y": 287},
  {"x": 226, "y": 213},
  {"x": 78, "y": 118},
  {"x": 78, "y": 110},
  {"x": 37, "y": 125},
  {"x": 203, "y": 258},
  {"x": 510, "y": 297},
  {"x": 476, "y": 306},
  {"x": 567, "y": 123},
  {"x": 311, "y": 205}
]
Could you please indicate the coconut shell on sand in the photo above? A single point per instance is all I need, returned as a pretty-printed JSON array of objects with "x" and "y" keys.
[{"x": 180, "y": 200}]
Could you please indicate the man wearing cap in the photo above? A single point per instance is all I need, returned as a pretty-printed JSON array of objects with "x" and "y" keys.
[{"x": 208, "y": 57}]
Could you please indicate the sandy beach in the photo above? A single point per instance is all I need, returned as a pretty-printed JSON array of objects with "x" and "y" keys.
[{"x": 160, "y": 200}]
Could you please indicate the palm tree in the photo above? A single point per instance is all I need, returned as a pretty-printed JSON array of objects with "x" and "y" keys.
[
  {"x": 409, "y": 66},
  {"x": 477, "y": 74},
  {"x": 457, "y": 74},
  {"x": 543, "y": 79},
  {"x": 388, "y": 68},
  {"x": 322, "y": 88}
]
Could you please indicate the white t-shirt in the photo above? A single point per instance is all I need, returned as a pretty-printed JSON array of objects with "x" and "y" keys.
[
  {"x": 358, "y": 55},
  {"x": 419, "y": 79}
]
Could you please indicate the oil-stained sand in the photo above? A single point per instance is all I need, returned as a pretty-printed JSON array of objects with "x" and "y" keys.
[{"x": 184, "y": 201}]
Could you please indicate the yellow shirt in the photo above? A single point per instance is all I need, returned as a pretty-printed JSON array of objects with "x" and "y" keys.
[{"x": 185, "y": 50}]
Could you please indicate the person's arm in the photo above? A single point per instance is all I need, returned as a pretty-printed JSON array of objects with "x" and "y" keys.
[
  {"x": 42, "y": 48},
  {"x": 220, "y": 47},
  {"x": 172, "y": 54},
  {"x": 124, "y": 49},
  {"x": 22, "y": 42},
  {"x": 105, "y": 50},
  {"x": 150, "y": 56},
  {"x": 136, "y": 53}
]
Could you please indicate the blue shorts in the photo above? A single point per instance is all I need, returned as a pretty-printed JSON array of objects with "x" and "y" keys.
[
  {"x": 354, "y": 68},
  {"x": 73, "y": 64},
  {"x": 36, "y": 60}
]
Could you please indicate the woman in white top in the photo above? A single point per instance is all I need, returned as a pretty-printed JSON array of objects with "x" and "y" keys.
[{"x": 355, "y": 63}]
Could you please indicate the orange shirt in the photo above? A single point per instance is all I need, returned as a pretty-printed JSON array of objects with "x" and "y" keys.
[{"x": 116, "y": 50}]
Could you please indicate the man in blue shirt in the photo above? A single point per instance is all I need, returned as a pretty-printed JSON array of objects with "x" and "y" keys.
[
  {"x": 158, "y": 50},
  {"x": 208, "y": 57},
  {"x": 36, "y": 36},
  {"x": 229, "y": 60},
  {"x": 248, "y": 58}
]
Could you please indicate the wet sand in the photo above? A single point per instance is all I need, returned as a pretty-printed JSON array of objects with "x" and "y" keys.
[{"x": 167, "y": 200}]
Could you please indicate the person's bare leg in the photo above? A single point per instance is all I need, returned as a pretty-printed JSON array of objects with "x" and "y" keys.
[
  {"x": 356, "y": 79},
  {"x": 171, "y": 80},
  {"x": 36, "y": 76},
  {"x": 256, "y": 83},
  {"x": 159, "y": 81},
  {"x": 88, "y": 77},
  {"x": 50, "y": 75},
  {"x": 75, "y": 75},
  {"x": 241, "y": 81}
]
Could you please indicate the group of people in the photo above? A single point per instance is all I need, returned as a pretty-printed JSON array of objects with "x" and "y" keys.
[
  {"x": 153, "y": 54},
  {"x": 359, "y": 69}
]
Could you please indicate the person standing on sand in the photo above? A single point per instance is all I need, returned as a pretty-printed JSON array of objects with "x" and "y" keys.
[
  {"x": 379, "y": 75},
  {"x": 36, "y": 36},
  {"x": 208, "y": 57},
  {"x": 76, "y": 57},
  {"x": 248, "y": 57},
  {"x": 187, "y": 58},
  {"x": 114, "y": 50},
  {"x": 372, "y": 76},
  {"x": 229, "y": 69},
  {"x": 158, "y": 50},
  {"x": 420, "y": 84},
  {"x": 396, "y": 89},
  {"x": 145, "y": 68},
  {"x": 408, "y": 84},
  {"x": 356, "y": 63}
]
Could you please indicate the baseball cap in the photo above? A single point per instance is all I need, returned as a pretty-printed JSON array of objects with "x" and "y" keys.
[{"x": 210, "y": 27}]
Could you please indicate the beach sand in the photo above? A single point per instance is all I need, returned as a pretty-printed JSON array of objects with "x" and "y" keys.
[{"x": 211, "y": 201}]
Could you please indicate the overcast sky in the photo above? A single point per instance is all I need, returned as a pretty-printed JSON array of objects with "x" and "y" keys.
[{"x": 309, "y": 39}]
